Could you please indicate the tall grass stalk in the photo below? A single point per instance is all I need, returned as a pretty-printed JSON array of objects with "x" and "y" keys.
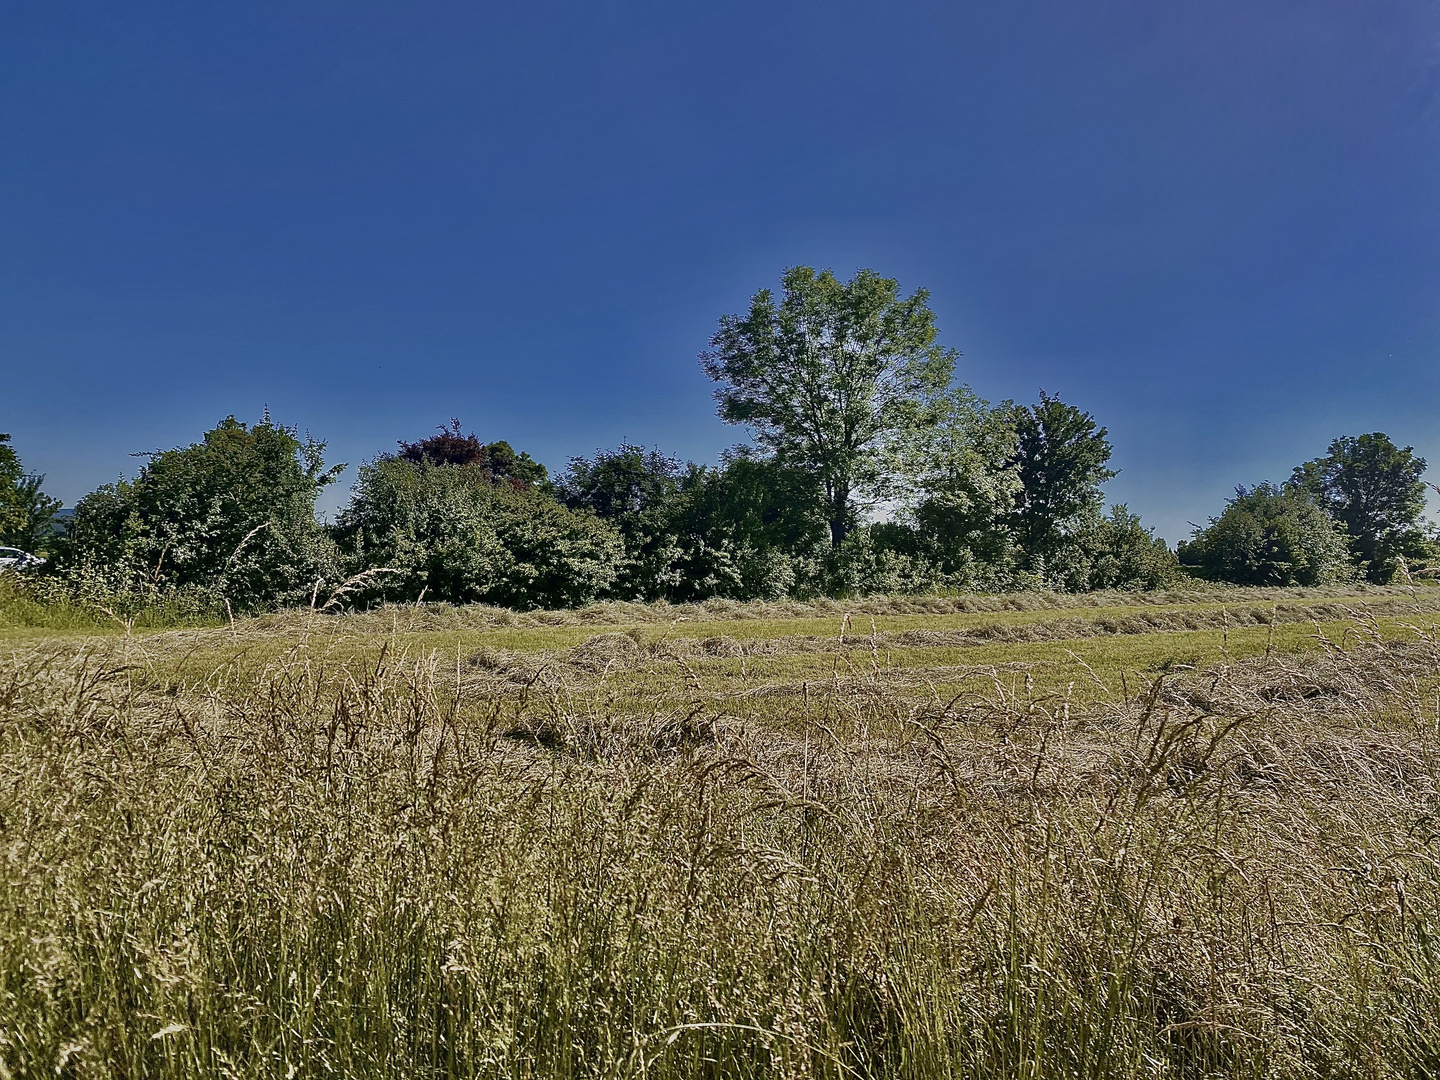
[{"x": 332, "y": 872}]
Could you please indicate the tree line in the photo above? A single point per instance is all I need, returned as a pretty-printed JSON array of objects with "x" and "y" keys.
[{"x": 868, "y": 470}]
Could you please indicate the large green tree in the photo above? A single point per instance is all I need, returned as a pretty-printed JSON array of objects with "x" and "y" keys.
[
  {"x": 25, "y": 510},
  {"x": 828, "y": 375},
  {"x": 1373, "y": 488},
  {"x": 1059, "y": 459}
]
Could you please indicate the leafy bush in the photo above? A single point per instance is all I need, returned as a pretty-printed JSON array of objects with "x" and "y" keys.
[
  {"x": 641, "y": 493},
  {"x": 25, "y": 510},
  {"x": 232, "y": 515},
  {"x": 871, "y": 562},
  {"x": 751, "y": 529},
  {"x": 1372, "y": 489},
  {"x": 498, "y": 460},
  {"x": 1124, "y": 554},
  {"x": 450, "y": 533},
  {"x": 1269, "y": 535}
]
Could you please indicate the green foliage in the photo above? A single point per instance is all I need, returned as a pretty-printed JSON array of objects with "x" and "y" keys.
[
  {"x": 830, "y": 375},
  {"x": 497, "y": 460},
  {"x": 879, "y": 558},
  {"x": 449, "y": 532},
  {"x": 233, "y": 514},
  {"x": 751, "y": 529},
  {"x": 1008, "y": 497},
  {"x": 1059, "y": 460},
  {"x": 1270, "y": 536},
  {"x": 25, "y": 510},
  {"x": 1121, "y": 553},
  {"x": 955, "y": 483},
  {"x": 52, "y": 603},
  {"x": 1373, "y": 488},
  {"x": 642, "y": 494}
]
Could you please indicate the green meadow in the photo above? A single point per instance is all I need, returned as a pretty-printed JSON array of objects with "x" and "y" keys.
[{"x": 1034, "y": 835}]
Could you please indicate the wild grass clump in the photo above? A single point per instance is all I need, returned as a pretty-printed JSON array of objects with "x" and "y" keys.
[
  {"x": 444, "y": 616},
  {"x": 393, "y": 872},
  {"x": 34, "y": 602}
]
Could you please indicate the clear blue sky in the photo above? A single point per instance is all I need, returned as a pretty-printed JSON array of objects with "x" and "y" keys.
[{"x": 1216, "y": 226}]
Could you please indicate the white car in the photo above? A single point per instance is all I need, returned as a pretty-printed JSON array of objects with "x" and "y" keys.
[{"x": 15, "y": 559}]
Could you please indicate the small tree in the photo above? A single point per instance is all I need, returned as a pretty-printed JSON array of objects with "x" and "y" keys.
[
  {"x": 752, "y": 529},
  {"x": 25, "y": 510},
  {"x": 640, "y": 493},
  {"x": 1122, "y": 553},
  {"x": 233, "y": 513},
  {"x": 829, "y": 375},
  {"x": 745, "y": 530},
  {"x": 1060, "y": 461},
  {"x": 956, "y": 483},
  {"x": 455, "y": 535},
  {"x": 1270, "y": 536},
  {"x": 1372, "y": 488}
]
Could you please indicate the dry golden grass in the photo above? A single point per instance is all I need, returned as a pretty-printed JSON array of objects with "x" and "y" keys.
[{"x": 1207, "y": 846}]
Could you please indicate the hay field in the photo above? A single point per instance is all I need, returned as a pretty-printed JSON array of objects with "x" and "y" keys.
[{"x": 1123, "y": 835}]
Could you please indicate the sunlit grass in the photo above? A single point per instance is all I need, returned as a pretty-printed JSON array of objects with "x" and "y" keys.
[{"x": 1055, "y": 842}]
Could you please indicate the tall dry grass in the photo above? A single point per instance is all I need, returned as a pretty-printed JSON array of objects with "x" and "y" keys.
[
  {"x": 391, "y": 872},
  {"x": 442, "y": 616}
]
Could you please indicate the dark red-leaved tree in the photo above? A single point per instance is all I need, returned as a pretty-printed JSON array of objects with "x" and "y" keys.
[{"x": 497, "y": 460}]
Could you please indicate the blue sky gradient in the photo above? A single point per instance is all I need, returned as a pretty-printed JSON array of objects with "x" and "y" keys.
[{"x": 1215, "y": 226}]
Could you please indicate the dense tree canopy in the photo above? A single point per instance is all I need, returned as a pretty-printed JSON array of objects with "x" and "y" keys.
[
  {"x": 25, "y": 510},
  {"x": 830, "y": 374},
  {"x": 1059, "y": 458},
  {"x": 234, "y": 512},
  {"x": 1373, "y": 488},
  {"x": 1270, "y": 535}
]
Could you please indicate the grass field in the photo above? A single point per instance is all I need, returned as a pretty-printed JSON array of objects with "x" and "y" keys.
[{"x": 1133, "y": 835}]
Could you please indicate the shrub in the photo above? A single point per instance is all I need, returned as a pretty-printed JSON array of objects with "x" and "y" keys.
[
  {"x": 1123, "y": 554},
  {"x": 750, "y": 530},
  {"x": 753, "y": 529},
  {"x": 1269, "y": 535},
  {"x": 233, "y": 515},
  {"x": 641, "y": 494},
  {"x": 450, "y": 533},
  {"x": 25, "y": 510},
  {"x": 871, "y": 562}
]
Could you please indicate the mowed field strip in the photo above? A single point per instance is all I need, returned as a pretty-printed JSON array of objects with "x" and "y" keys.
[
  {"x": 633, "y": 657},
  {"x": 1126, "y": 835}
]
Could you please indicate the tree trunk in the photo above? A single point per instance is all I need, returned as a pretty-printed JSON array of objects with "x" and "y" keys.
[{"x": 839, "y": 517}]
